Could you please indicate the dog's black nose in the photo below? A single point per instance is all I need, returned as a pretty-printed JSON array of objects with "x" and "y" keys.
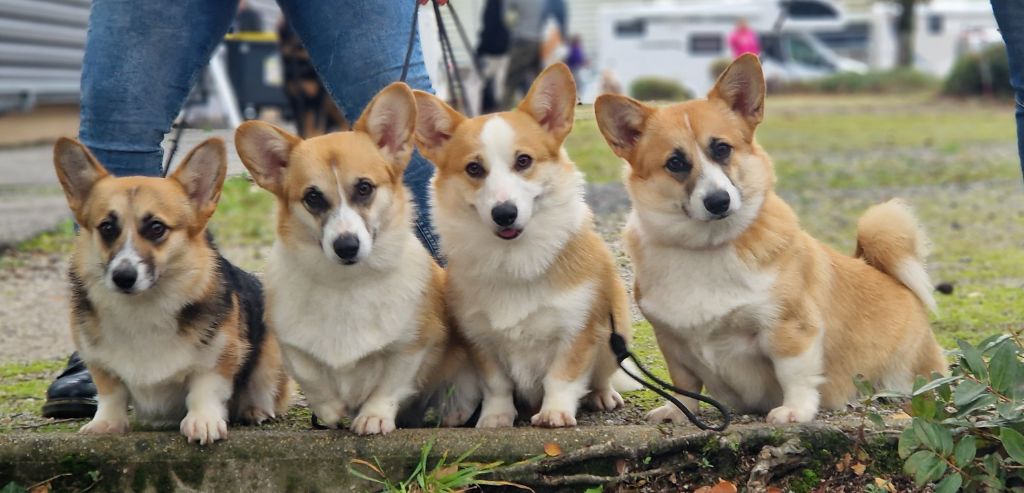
[
  {"x": 717, "y": 202},
  {"x": 346, "y": 246},
  {"x": 124, "y": 276},
  {"x": 504, "y": 214}
]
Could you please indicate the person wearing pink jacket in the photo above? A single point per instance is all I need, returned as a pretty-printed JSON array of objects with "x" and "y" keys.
[{"x": 744, "y": 40}]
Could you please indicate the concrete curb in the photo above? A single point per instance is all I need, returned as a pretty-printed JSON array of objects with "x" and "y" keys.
[{"x": 262, "y": 460}]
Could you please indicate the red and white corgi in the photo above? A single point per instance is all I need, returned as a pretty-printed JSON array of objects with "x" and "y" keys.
[
  {"x": 743, "y": 302},
  {"x": 355, "y": 300},
  {"x": 161, "y": 319},
  {"x": 530, "y": 282}
]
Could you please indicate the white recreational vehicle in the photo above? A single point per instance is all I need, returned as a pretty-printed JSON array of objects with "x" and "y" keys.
[{"x": 681, "y": 41}]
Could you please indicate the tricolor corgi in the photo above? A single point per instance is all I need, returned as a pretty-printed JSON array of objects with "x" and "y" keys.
[
  {"x": 530, "y": 282},
  {"x": 743, "y": 302},
  {"x": 161, "y": 319},
  {"x": 355, "y": 300}
]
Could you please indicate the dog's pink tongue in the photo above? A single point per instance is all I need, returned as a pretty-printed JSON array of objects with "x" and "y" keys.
[{"x": 508, "y": 233}]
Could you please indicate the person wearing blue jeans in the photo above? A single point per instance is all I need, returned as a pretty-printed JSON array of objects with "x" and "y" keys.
[
  {"x": 143, "y": 57},
  {"x": 1010, "y": 17}
]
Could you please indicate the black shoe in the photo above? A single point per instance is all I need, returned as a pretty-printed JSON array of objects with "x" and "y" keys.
[{"x": 72, "y": 394}]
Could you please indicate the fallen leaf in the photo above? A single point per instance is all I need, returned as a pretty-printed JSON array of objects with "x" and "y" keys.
[
  {"x": 40, "y": 488},
  {"x": 899, "y": 416},
  {"x": 858, "y": 468},
  {"x": 773, "y": 489},
  {"x": 703, "y": 489},
  {"x": 723, "y": 486},
  {"x": 552, "y": 449},
  {"x": 885, "y": 484},
  {"x": 446, "y": 471}
]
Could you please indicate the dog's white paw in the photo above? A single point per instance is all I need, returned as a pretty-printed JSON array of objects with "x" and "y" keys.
[
  {"x": 783, "y": 414},
  {"x": 605, "y": 400},
  {"x": 554, "y": 418},
  {"x": 204, "y": 427},
  {"x": 667, "y": 413},
  {"x": 330, "y": 414},
  {"x": 103, "y": 425},
  {"x": 456, "y": 417},
  {"x": 371, "y": 424},
  {"x": 496, "y": 420}
]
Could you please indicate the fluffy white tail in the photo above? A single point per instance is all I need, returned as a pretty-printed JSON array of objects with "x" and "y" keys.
[
  {"x": 622, "y": 382},
  {"x": 890, "y": 239}
]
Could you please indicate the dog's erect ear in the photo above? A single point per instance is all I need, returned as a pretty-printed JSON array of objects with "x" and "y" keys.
[
  {"x": 77, "y": 170},
  {"x": 435, "y": 123},
  {"x": 201, "y": 174},
  {"x": 390, "y": 120},
  {"x": 742, "y": 88},
  {"x": 622, "y": 121},
  {"x": 552, "y": 100},
  {"x": 265, "y": 150}
]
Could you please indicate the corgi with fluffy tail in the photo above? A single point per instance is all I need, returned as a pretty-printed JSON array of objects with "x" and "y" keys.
[{"x": 744, "y": 302}]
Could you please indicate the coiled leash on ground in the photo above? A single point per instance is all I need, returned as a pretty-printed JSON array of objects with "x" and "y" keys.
[{"x": 621, "y": 352}]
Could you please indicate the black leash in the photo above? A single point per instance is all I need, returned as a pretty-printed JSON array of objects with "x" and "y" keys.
[{"x": 621, "y": 352}]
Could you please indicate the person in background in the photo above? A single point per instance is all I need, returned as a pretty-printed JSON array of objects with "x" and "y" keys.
[
  {"x": 1010, "y": 17},
  {"x": 492, "y": 52},
  {"x": 143, "y": 57},
  {"x": 527, "y": 25},
  {"x": 576, "y": 59},
  {"x": 558, "y": 10},
  {"x": 744, "y": 40}
]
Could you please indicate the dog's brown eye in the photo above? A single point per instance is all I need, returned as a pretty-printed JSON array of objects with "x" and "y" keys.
[
  {"x": 474, "y": 169},
  {"x": 155, "y": 230},
  {"x": 523, "y": 162},
  {"x": 314, "y": 200},
  {"x": 720, "y": 151},
  {"x": 364, "y": 188},
  {"x": 677, "y": 163},
  {"x": 108, "y": 230}
]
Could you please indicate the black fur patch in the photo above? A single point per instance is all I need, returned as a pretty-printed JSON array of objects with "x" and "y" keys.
[{"x": 81, "y": 307}]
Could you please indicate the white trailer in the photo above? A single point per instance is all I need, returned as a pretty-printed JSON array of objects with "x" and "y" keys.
[{"x": 681, "y": 41}]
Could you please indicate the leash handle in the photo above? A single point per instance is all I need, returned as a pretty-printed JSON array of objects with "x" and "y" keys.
[{"x": 621, "y": 351}]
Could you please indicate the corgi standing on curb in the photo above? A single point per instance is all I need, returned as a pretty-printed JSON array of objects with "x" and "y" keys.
[
  {"x": 355, "y": 299},
  {"x": 743, "y": 301},
  {"x": 161, "y": 319},
  {"x": 530, "y": 282}
]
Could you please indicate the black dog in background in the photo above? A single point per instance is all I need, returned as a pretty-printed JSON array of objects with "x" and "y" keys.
[{"x": 312, "y": 108}]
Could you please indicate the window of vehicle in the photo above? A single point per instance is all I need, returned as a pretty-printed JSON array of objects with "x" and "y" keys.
[
  {"x": 706, "y": 44},
  {"x": 801, "y": 51},
  {"x": 633, "y": 28}
]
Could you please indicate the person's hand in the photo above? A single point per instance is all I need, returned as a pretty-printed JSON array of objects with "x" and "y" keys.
[{"x": 439, "y": 2}]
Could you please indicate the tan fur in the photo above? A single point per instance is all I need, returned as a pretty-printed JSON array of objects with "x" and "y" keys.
[
  {"x": 375, "y": 151},
  {"x": 870, "y": 319},
  {"x": 538, "y": 126},
  {"x": 182, "y": 266}
]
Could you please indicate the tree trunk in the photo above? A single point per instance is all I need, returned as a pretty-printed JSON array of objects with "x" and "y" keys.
[{"x": 905, "y": 33}]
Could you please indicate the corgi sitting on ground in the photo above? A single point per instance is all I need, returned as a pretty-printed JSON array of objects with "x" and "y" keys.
[
  {"x": 743, "y": 301},
  {"x": 158, "y": 315},
  {"x": 530, "y": 282},
  {"x": 355, "y": 299}
]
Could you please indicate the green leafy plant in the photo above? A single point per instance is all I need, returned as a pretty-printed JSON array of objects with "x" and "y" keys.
[
  {"x": 658, "y": 89},
  {"x": 444, "y": 477},
  {"x": 966, "y": 429},
  {"x": 980, "y": 74}
]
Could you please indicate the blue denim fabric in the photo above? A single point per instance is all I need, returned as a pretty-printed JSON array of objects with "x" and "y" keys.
[
  {"x": 1010, "y": 17},
  {"x": 143, "y": 57}
]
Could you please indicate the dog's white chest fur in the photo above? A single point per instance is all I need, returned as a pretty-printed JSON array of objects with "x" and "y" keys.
[
  {"x": 141, "y": 345},
  {"x": 338, "y": 321},
  {"x": 530, "y": 321},
  {"x": 718, "y": 311}
]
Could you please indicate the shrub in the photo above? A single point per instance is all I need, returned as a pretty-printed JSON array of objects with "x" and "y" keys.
[
  {"x": 966, "y": 428},
  {"x": 658, "y": 89},
  {"x": 896, "y": 81},
  {"x": 980, "y": 74},
  {"x": 718, "y": 66}
]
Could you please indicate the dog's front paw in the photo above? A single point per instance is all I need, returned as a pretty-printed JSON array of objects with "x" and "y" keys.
[
  {"x": 330, "y": 414},
  {"x": 204, "y": 427},
  {"x": 256, "y": 415},
  {"x": 104, "y": 425},
  {"x": 553, "y": 418},
  {"x": 372, "y": 424},
  {"x": 496, "y": 420},
  {"x": 605, "y": 400},
  {"x": 667, "y": 413},
  {"x": 784, "y": 414}
]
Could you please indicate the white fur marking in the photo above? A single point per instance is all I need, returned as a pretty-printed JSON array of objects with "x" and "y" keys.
[{"x": 913, "y": 275}]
